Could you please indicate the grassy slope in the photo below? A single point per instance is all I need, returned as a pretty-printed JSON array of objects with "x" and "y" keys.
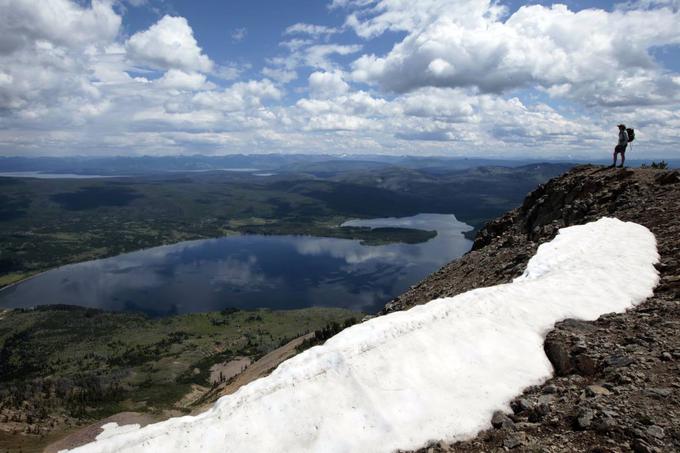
[{"x": 69, "y": 363}]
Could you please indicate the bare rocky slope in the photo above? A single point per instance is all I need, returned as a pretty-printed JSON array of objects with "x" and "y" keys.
[{"x": 617, "y": 380}]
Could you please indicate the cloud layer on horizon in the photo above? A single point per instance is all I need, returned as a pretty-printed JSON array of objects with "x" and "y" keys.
[{"x": 476, "y": 79}]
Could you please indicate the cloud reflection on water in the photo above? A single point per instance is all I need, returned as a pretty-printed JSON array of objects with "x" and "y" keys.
[{"x": 277, "y": 272}]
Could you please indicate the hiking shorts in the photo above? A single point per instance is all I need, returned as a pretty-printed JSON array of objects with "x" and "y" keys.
[{"x": 620, "y": 149}]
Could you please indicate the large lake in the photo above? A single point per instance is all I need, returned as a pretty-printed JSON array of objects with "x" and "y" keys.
[{"x": 251, "y": 271}]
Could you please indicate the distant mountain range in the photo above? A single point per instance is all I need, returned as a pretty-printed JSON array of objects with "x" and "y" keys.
[{"x": 120, "y": 165}]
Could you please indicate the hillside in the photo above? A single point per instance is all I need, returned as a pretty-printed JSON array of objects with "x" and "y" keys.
[
  {"x": 617, "y": 385},
  {"x": 64, "y": 367},
  {"x": 454, "y": 361}
]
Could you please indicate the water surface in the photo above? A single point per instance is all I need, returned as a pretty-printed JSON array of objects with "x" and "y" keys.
[
  {"x": 251, "y": 271},
  {"x": 48, "y": 175}
]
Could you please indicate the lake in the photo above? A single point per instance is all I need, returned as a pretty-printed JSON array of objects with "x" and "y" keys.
[
  {"x": 251, "y": 271},
  {"x": 48, "y": 175}
]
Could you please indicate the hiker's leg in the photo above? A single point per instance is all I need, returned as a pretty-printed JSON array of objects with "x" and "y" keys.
[
  {"x": 623, "y": 158},
  {"x": 614, "y": 160}
]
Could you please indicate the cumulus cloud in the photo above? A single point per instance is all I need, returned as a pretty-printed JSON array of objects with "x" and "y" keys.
[
  {"x": 46, "y": 54},
  {"x": 168, "y": 44},
  {"x": 59, "y": 22},
  {"x": 319, "y": 56},
  {"x": 574, "y": 53},
  {"x": 476, "y": 78},
  {"x": 281, "y": 75},
  {"x": 327, "y": 84},
  {"x": 239, "y": 96},
  {"x": 178, "y": 79}
]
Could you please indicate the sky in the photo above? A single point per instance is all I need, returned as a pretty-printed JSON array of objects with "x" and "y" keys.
[{"x": 456, "y": 78}]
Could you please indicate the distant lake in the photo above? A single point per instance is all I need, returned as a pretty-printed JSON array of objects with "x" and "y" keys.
[
  {"x": 251, "y": 271},
  {"x": 49, "y": 175},
  {"x": 46, "y": 175}
]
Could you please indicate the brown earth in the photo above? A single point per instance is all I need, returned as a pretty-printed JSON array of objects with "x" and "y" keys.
[
  {"x": 617, "y": 383},
  {"x": 227, "y": 370}
]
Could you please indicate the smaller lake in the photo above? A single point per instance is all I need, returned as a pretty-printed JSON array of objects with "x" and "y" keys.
[
  {"x": 47, "y": 175},
  {"x": 251, "y": 271}
]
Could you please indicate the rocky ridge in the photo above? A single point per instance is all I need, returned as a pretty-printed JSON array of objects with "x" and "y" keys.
[{"x": 617, "y": 380}]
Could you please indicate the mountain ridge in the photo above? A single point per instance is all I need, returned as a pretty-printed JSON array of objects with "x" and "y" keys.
[{"x": 615, "y": 387}]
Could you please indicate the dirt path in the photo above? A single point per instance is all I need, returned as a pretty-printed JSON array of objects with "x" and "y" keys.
[
  {"x": 225, "y": 371},
  {"x": 89, "y": 433},
  {"x": 264, "y": 366}
]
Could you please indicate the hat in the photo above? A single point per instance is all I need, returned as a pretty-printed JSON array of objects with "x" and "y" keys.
[{"x": 621, "y": 125}]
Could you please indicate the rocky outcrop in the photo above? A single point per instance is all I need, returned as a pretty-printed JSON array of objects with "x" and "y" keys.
[{"x": 617, "y": 379}]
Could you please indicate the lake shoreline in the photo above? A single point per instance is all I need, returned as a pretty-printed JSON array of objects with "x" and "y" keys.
[
  {"x": 37, "y": 273},
  {"x": 241, "y": 283}
]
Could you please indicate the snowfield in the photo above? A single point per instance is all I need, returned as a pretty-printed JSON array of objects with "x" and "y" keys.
[{"x": 435, "y": 372}]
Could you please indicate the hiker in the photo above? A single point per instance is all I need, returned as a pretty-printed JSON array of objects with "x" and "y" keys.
[{"x": 621, "y": 147}]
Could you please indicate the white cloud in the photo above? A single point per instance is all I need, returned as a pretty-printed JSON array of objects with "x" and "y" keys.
[
  {"x": 239, "y": 96},
  {"x": 318, "y": 56},
  {"x": 593, "y": 55},
  {"x": 178, "y": 79},
  {"x": 168, "y": 44},
  {"x": 239, "y": 34},
  {"x": 59, "y": 22},
  {"x": 71, "y": 82},
  {"x": 280, "y": 75},
  {"x": 327, "y": 84},
  {"x": 309, "y": 29}
]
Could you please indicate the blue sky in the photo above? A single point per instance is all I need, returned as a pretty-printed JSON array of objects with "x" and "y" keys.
[{"x": 432, "y": 77}]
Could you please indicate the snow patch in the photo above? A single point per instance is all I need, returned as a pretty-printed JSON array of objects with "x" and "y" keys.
[{"x": 435, "y": 372}]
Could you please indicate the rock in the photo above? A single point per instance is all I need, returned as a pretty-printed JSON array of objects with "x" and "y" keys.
[
  {"x": 539, "y": 411},
  {"x": 550, "y": 388},
  {"x": 514, "y": 440},
  {"x": 605, "y": 424},
  {"x": 659, "y": 392},
  {"x": 546, "y": 399},
  {"x": 617, "y": 361},
  {"x": 584, "y": 419},
  {"x": 596, "y": 390},
  {"x": 586, "y": 365},
  {"x": 558, "y": 354},
  {"x": 520, "y": 405},
  {"x": 500, "y": 420},
  {"x": 666, "y": 357},
  {"x": 526, "y": 426},
  {"x": 645, "y": 419},
  {"x": 656, "y": 431},
  {"x": 670, "y": 177},
  {"x": 640, "y": 446}
]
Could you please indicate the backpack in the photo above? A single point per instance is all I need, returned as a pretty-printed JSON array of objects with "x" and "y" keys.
[{"x": 631, "y": 134}]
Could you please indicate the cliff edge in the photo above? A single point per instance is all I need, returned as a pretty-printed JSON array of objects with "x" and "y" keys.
[{"x": 617, "y": 379}]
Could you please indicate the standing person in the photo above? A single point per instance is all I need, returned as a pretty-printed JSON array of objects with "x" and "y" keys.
[{"x": 621, "y": 147}]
